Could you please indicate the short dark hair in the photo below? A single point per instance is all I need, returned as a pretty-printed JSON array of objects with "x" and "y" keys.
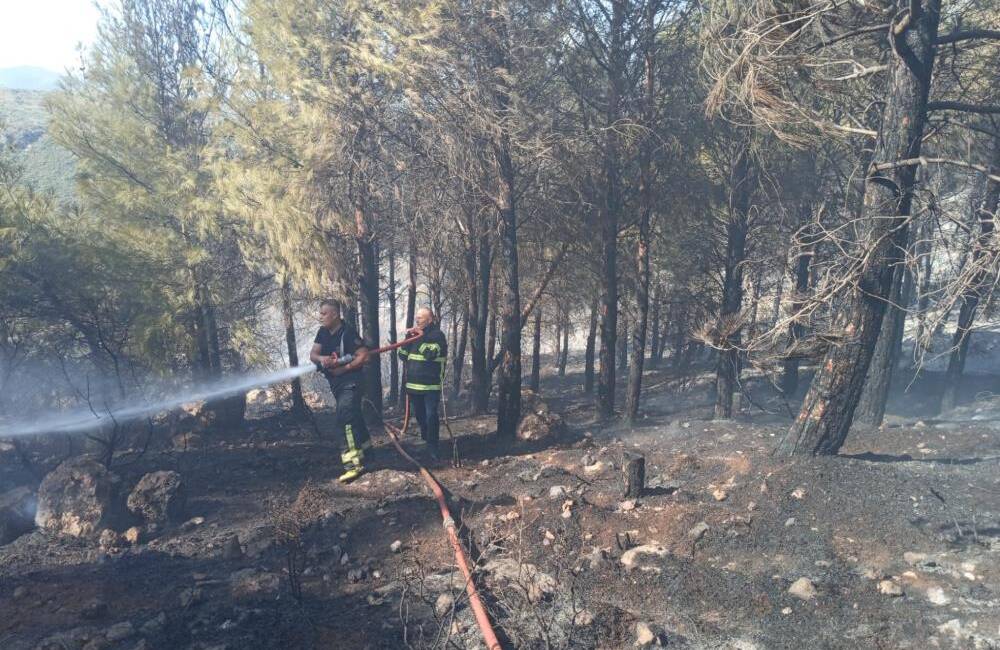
[{"x": 330, "y": 302}]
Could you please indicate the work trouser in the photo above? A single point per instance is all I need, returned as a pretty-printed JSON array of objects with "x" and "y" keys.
[
  {"x": 424, "y": 407},
  {"x": 351, "y": 430}
]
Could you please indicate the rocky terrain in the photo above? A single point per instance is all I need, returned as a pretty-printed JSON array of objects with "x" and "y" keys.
[{"x": 240, "y": 538}]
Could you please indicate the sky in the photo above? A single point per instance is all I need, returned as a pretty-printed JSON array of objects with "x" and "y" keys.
[{"x": 45, "y": 33}]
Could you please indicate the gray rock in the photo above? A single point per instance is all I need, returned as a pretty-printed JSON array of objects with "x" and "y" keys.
[
  {"x": 119, "y": 632},
  {"x": 803, "y": 588},
  {"x": 443, "y": 605},
  {"x": 76, "y": 498},
  {"x": 159, "y": 498},
  {"x": 251, "y": 583},
  {"x": 698, "y": 531},
  {"x": 231, "y": 549}
]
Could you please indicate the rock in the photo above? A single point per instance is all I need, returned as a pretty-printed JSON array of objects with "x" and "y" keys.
[
  {"x": 134, "y": 535},
  {"x": 443, "y": 605},
  {"x": 583, "y": 618},
  {"x": 527, "y": 576},
  {"x": 231, "y": 549},
  {"x": 534, "y": 427},
  {"x": 119, "y": 632},
  {"x": 17, "y": 514},
  {"x": 890, "y": 588},
  {"x": 937, "y": 596},
  {"x": 358, "y": 574},
  {"x": 159, "y": 498},
  {"x": 558, "y": 491},
  {"x": 698, "y": 531},
  {"x": 597, "y": 467},
  {"x": 193, "y": 522},
  {"x": 251, "y": 583},
  {"x": 803, "y": 588},
  {"x": 190, "y": 596},
  {"x": 108, "y": 540},
  {"x": 630, "y": 558},
  {"x": 913, "y": 559},
  {"x": 76, "y": 498},
  {"x": 789, "y": 522},
  {"x": 597, "y": 557},
  {"x": 186, "y": 440},
  {"x": 719, "y": 494},
  {"x": 646, "y": 636},
  {"x": 94, "y": 609},
  {"x": 627, "y": 505},
  {"x": 799, "y": 492},
  {"x": 396, "y": 546},
  {"x": 586, "y": 460},
  {"x": 567, "y": 509},
  {"x": 154, "y": 625}
]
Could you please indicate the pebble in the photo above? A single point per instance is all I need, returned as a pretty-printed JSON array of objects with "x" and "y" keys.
[
  {"x": 396, "y": 546},
  {"x": 583, "y": 618},
  {"x": 937, "y": 596},
  {"x": 786, "y": 611},
  {"x": 719, "y": 494},
  {"x": 627, "y": 506},
  {"x": 119, "y": 632},
  {"x": 557, "y": 491},
  {"x": 698, "y": 531},
  {"x": 914, "y": 559},
  {"x": 789, "y": 522},
  {"x": 644, "y": 635},
  {"x": 803, "y": 588},
  {"x": 799, "y": 493}
]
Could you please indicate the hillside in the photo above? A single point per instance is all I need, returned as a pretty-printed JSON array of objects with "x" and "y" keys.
[
  {"x": 47, "y": 166},
  {"x": 27, "y": 77}
]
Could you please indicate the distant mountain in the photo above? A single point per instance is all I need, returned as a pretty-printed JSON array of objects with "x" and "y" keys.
[
  {"x": 27, "y": 77},
  {"x": 24, "y": 130}
]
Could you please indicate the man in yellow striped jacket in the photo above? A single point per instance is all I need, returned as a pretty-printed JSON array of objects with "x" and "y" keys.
[{"x": 425, "y": 359}]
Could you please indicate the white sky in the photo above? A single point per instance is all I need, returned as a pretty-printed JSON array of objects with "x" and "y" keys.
[{"x": 45, "y": 33}]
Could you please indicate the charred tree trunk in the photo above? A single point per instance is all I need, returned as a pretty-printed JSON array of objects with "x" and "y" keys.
[
  {"x": 458, "y": 354},
  {"x": 558, "y": 342},
  {"x": 622, "y": 351},
  {"x": 411, "y": 285},
  {"x": 478, "y": 267},
  {"x": 588, "y": 354},
  {"x": 288, "y": 318},
  {"x": 972, "y": 294},
  {"x": 368, "y": 257},
  {"x": 536, "y": 352},
  {"x": 610, "y": 210},
  {"x": 828, "y": 408},
  {"x": 875, "y": 394},
  {"x": 393, "y": 333},
  {"x": 790, "y": 372},
  {"x": 741, "y": 193},
  {"x": 639, "y": 329}
]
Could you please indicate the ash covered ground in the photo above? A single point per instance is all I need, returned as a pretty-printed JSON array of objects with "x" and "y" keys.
[{"x": 893, "y": 544}]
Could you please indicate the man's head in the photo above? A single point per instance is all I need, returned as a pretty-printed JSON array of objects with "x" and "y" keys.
[
  {"x": 423, "y": 318},
  {"x": 329, "y": 313}
]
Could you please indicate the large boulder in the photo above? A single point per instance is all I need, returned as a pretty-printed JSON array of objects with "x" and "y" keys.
[
  {"x": 159, "y": 498},
  {"x": 76, "y": 498},
  {"x": 17, "y": 513},
  {"x": 223, "y": 414},
  {"x": 534, "y": 427}
]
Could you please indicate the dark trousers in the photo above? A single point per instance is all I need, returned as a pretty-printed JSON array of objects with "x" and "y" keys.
[
  {"x": 351, "y": 430},
  {"x": 424, "y": 407}
]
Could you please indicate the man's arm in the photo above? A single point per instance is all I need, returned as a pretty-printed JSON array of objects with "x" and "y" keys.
[{"x": 319, "y": 359}]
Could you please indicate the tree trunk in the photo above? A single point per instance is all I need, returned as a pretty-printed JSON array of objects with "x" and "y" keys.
[
  {"x": 368, "y": 256},
  {"x": 558, "y": 342},
  {"x": 875, "y": 394},
  {"x": 536, "y": 352},
  {"x": 655, "y": 335},
  {"x": 411, "y": 285},
  {"x": 588, "y": 355},
  {"x": 741, "y": 185},
  {"x": 790, "y": 374},
  {"x": 622, "y": 343},
  {"x": 610, "y": 210},
  {"x": 984, "y": 214},
  {"x": 288, "y": 317},
  {"x": 458, "y": 354},
  {"x": 639, "y": 329},
  {"x": 828, "y": 408},
  {"x": 478, "y": 268},
  {"x": 564, "y": 354},
  {"x": 509, "y": 369},
  {"x": 393, "y": 333}
]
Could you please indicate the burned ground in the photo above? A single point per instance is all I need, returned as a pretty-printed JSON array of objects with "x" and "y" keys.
[{"x": 896, "y": 540}]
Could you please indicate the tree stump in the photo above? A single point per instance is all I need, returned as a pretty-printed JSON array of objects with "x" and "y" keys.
[{"x": 634, "y": 475}]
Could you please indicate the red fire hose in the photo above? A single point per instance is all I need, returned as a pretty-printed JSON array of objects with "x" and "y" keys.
[{"x": 394, "y": 433}]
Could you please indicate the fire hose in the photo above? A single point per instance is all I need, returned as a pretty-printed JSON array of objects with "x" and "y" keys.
[{"x": 395, "y": 434}]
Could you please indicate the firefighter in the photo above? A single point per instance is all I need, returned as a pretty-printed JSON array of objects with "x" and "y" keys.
[
  {"x": 340, "y": 354},
  {"x": 425, "y": 359}
]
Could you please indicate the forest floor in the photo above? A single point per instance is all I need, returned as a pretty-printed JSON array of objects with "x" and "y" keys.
[{"x": 893, "y": 544}]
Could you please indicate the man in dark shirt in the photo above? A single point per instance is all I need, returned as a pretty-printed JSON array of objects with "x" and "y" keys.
[
  {"x": 340, "y": 354},
  {"x": 425, "y": 359}
]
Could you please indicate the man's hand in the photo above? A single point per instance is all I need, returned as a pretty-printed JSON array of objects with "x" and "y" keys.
[{"x": 329, "y": 362}]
